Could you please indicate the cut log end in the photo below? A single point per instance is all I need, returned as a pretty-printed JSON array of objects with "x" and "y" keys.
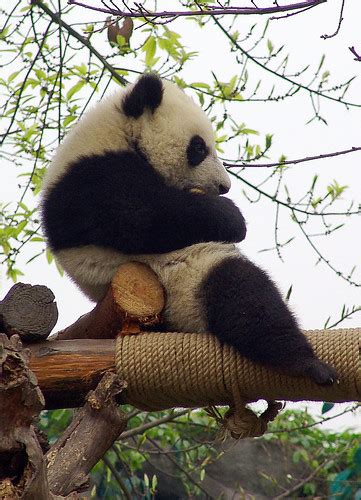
[
  {"x": 134, "y": 298},
  {"x": 137, "y": 291},
  {"x": 28, "y": 311}
]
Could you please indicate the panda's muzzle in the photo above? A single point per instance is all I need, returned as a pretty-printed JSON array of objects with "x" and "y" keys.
[
  {"x": 196, "y": 190},
  {"x": 199, "y": 190}
]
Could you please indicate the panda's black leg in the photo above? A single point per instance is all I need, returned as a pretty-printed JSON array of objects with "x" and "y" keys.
[{"x": 245, "y": 309}]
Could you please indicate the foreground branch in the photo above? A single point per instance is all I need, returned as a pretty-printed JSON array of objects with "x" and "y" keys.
[
  {"x": 91, "y": 433},
  {"x": 22, "y": 468}
]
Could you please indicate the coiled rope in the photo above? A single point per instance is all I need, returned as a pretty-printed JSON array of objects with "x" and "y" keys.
[{"x": 167, "y": 370}]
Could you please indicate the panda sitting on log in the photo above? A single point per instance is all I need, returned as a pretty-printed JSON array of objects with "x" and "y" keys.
[{"x": 138, "y": 178}]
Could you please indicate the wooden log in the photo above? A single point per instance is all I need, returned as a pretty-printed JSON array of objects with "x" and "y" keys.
[
  {"x": 68, "y": 369},
  {"x": 28, "y": 311},
  {"x": 92, "y": 431},
  {"x": 22, "y": 467},
  {"x": 134, "y": 299}
]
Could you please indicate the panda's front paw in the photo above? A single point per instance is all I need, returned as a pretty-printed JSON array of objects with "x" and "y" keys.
[
  {"x": 234, "y": 229},
  {"x": 321, "y": 373}
]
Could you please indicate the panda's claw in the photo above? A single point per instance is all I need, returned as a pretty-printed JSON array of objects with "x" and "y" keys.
[{"x": 321, "y": 373}]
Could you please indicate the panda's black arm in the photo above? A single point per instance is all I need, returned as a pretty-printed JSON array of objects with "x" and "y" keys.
[{"x": 119, "y": 201}]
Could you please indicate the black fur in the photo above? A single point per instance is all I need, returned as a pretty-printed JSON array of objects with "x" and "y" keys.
[
  {"x": 196, "y": 151},
  {"x": 245, "y": 309},
  {"x": 146, "y": 93},
  {"x": 119, "y": 201}
]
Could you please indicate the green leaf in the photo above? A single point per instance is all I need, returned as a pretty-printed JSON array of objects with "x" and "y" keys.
[
  {"x": 40, "y": 74},
  {"x": 68, "y": 119},
  {"x": 200, "y": 85},
  {"x": 327, "y": 407},
  {"x": 78, "y": 86},
  {"x": 270, "y": 46},
  {"x": 49, "y": 256},
  {"x": 154, "y": 482},
  {"x": 150, "y": 48},
  {"x": 13, "y": 273},
  {"x": 13, "y": 76}
]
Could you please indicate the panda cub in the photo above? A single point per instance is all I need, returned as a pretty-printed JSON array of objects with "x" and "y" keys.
[{"x": 138, "y": 178}]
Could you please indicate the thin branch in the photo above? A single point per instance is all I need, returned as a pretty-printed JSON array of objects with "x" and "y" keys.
[
  {"x": 57, "y": 19},
  {"x": 321, "y": 257},
  {"x": 344, "y": 315},
  {"x": 182, "y": 469},
  {"x": 283, "y": 77},
  {"x": 154, "y": 423},
  {"x": 339, "y": 23},
  {"x": 211, "y": 11},
  {"x": 117, "y": 477},
  {"x": 308, "y": 426},
  {"x": 292, "y": 162},
  {"x": 353, "y": 51},
  {"x": 289, "y": 205},
  {"x": 294, "y": 489}
]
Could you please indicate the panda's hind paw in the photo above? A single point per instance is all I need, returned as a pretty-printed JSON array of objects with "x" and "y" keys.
[{"x": 321, "y": 373}]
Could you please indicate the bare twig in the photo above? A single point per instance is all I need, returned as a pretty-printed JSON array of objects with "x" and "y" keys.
[
  {"x": 211, "y": 11},
  {"x": 294, "y": 489},
  {"x": 323, "y": 420},
  {"x": 353, "y": 51},
  {"x": 184, "y": 471},
  {"x": 311, "y": 91},
  {"x": 149, "y": 425},
  {"x": 291, "y": 162},
  {"x": 339, "y": 23}
]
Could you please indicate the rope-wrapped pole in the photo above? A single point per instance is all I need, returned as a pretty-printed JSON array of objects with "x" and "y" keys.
[
  {"x": 166, "y": 370},
  {"x": 187, "y": 369}
]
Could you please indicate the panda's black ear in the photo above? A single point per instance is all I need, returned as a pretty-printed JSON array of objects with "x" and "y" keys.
[{"x": 146, "y": 93}]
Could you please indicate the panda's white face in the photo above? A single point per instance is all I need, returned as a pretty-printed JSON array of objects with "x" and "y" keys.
[
  {"x": 174, "y": 134},
  {"x": 178, "y": 140}
]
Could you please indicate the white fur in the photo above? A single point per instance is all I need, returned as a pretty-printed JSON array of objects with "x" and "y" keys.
[
  {"x": 180, "y": 272},
  {"x": 164, "y": 136}
]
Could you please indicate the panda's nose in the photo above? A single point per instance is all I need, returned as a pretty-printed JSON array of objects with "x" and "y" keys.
[{"x": 223, "y": 189}]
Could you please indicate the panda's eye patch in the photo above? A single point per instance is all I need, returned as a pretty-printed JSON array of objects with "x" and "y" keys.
[{"x": 197, "y": 151}]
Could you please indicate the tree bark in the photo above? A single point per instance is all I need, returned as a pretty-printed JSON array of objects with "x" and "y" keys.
[
  {"x": 22, "y": 467},
  {"x": 68, "y": 369},
  {"x": 93, "y": 430}
]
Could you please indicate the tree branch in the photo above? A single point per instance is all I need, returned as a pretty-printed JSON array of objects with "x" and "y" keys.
[
  {"x": 357, "y": 56},
  {"x": 22, "y": 467},
  {"x": 57, "y": 19},
  {"x": 91, "y": 433},
  {"x": 140, "y": 11},
  {"x": 153, "y": 423},
  {"x": 274, "y": 73},
  {"x": 292, "y": 162}
]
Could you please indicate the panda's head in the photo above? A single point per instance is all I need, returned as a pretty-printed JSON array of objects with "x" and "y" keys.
[
  {"x": 174, "y": 134},
  {"x": 155, "y": 119}
]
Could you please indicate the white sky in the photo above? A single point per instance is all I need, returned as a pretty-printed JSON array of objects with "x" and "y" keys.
[{"x": 317, "y": 292}]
